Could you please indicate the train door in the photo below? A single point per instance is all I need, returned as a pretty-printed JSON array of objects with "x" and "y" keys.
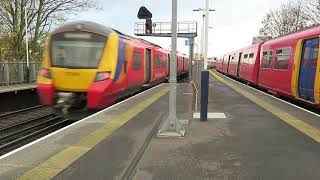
[
  {"x": 148, "y": 65},
  {"x": 221, "y": 64},
  {"x": 169, "y": 65},
  {"x": 177, "y": 64},
  {"x": 239, "y": 64},
  {"x": 228, "y": 63},
  {"x": 183, "y": 61},
  {"x": 308, "y": 66}
]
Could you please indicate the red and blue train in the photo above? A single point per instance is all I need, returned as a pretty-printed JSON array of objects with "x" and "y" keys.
[
  {"x": 285, "y": 66},
  {"x": 92, "y": 65}
]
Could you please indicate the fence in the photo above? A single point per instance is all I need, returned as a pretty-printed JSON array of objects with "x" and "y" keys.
[
  {"x": 15, "y": 72},
  {"x": 164, "y": 28}
]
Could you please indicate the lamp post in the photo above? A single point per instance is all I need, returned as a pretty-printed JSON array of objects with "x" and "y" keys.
[
  {"x": 27, "y": 46},
  {"x": 196, "y": 44},
  {"x": 27, "y": 43},
  {"x": 205, "y": 72},
  {"x": 203, "y": 26},
  {"x": 205, "y": 63}
]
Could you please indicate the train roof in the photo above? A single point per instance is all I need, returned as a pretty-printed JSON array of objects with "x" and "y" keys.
[
  {"x": 84, "y": 26},
  {"x": 97, "y": 28},
  {"x": 303, "y": 33},
  {"x": 244, "y": 48}
]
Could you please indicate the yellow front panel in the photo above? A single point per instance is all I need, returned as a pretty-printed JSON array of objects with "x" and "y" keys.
[
  {"x": 45, "y": 65},
  {"x": 317, "y": 82},
  {"x": 296, "y": 69},
  {"x": 110, "y": 55},
  {"x": 43, "y": 80},
  {"x": 46, "y": 62},
  {"x": 77, "y": 80}
]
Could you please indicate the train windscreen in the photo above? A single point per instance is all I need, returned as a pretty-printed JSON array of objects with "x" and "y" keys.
[{"x": 77, "y": 50}]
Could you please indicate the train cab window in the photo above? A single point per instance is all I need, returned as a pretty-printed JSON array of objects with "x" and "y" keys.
[
  {"x": 86, "y": 48},
  {"x": 266, "y": 59},
  {"x": 282, "y": 58},
  {"x": 136, "y": 61}
]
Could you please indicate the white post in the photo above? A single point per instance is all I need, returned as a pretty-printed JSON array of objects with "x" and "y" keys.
[
  {"x": 202, "y": 33},
  {"x": 27, "y": 46},
  {"x": 172, "y": 126},
  {"x": 174, "y": 33},
  {"x": 205, "y": 63}
]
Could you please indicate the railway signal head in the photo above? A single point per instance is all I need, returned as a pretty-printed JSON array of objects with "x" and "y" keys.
[
  {"x": 148, "y": 26},
  {"x": 144, "y": 13}
]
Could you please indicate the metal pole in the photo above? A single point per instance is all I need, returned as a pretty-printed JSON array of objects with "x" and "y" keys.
[
  {"x": 27, "y": 46},
  {"x": 191, "y": 41},
  {"x": 205, "y": 72},
  {"x": 172, "y": 126},
  {"x": 202, "y": 35},
  {"x": 206, "y": 36},
  {"x": 173, "y": 65}
]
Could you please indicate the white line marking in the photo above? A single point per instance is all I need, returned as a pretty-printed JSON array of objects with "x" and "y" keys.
[
  {"x": 17, "y": 89},
  {"x": 51, "y": 134},
  {"x": 271, "y": 95},
  {"x": 210, "y": 115}
]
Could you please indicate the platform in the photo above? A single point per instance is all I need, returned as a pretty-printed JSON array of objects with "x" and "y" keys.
[
  {"x": 16, "y": 88},
  {"x": 97, "y": 139},
  {"x": 261, "y": 138}
]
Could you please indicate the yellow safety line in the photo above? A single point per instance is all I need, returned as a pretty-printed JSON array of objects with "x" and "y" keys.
[
  {"x": 63, "y": 159},
  {"x": 302, "y": 126}
]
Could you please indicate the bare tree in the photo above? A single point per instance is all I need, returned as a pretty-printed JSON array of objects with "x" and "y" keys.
[
  {"x": 288, "y": 18},
  {"x": 41, "y": 15},
  {"x": 312, "y": 10}
]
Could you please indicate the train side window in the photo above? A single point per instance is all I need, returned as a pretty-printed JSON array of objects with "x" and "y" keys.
[
  {"x": 245, "y": 58},
  {"x": 163, "y": 62},
  {"x": 266, "y": 59},
  {"x": 282, "y": 58},
  {"x": 251, "y": 55},
  {"x": 136, "y": 60},
  {"x": 315, "y": 56},
  {"x": 158, "y": 61}
]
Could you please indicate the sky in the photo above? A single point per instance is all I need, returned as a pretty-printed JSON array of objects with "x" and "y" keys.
[{"x": 233, "y": 23}]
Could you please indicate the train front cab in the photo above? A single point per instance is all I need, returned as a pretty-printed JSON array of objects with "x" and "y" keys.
[
  {"x": 80, "y": 64},
  {"x": 306, "y": 72}
]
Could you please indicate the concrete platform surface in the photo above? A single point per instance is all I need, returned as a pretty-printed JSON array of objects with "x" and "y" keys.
[
  {"x": 16, "y": 87},
  {"x": 109, "y": 129},
  {"x": 115, "y": 157},
  {"x": 260, "y": 138},
  {"x": 252, "y": 143}
]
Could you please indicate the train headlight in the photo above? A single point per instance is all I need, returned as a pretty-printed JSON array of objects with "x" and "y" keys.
[
  {"x": 45, "y": 73},
  {"x": 101, "y": 76}
]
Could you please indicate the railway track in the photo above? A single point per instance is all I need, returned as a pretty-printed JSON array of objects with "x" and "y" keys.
[
  {"x": 20, "y": 111},
  {"x": 20, "y": 127}
]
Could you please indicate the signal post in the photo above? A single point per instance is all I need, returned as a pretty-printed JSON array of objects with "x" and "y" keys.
[{"x": 172, "y": 126}]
